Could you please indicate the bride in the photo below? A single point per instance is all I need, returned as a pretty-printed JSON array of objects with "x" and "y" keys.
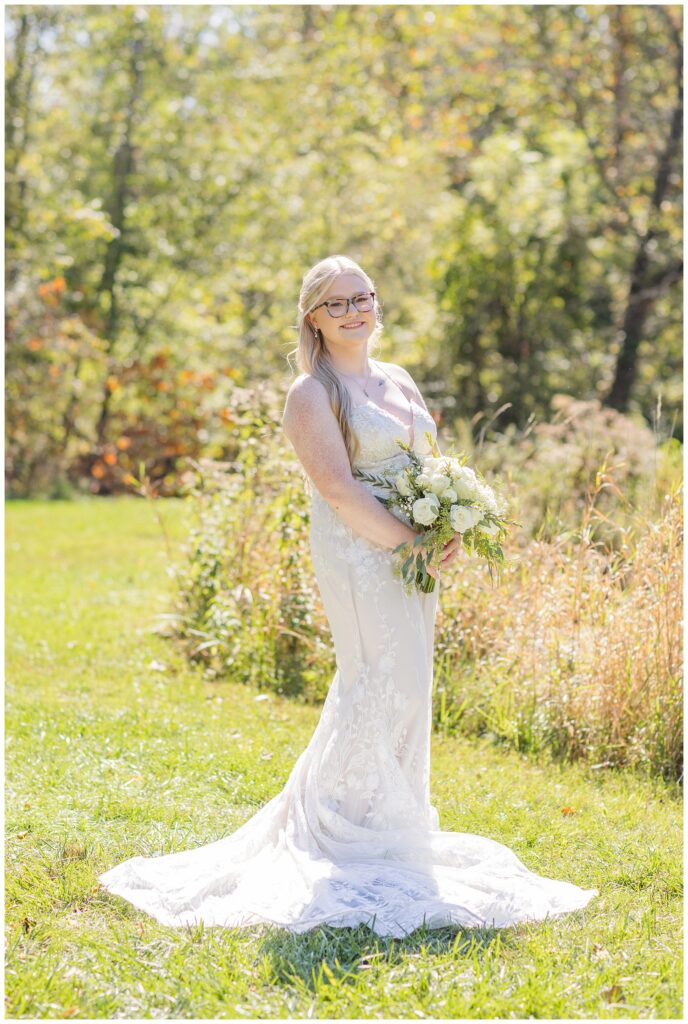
[{"x": 353, "y": 837}]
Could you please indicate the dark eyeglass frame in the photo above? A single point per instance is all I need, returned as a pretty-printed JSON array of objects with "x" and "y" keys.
[{"x": 349, "y": 302}]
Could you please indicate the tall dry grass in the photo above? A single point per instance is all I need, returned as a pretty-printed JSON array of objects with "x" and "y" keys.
[{"x": 579, "y": 650}]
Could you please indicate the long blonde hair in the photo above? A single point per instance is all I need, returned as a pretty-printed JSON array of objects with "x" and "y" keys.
[{"x": 311, "y": 353}]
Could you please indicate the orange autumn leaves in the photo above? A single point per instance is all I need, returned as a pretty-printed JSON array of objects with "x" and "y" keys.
[{"x": 51, "y": 291}]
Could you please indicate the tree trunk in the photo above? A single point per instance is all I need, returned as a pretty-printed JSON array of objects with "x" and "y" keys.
[
  {"x": 122, "y": 167},
  {"x": 643, "y": 292}
]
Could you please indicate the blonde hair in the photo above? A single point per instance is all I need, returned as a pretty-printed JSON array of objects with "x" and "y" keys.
[{"x": 311, "y": 352}]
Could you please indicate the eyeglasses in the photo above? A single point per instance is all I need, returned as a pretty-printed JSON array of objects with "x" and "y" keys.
[{"x": 363, "y": 302}]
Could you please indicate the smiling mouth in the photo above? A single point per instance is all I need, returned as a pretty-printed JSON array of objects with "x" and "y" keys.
[{"x": 348, "y": 327}]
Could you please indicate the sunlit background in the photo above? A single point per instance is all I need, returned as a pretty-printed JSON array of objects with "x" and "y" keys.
[{"x": 510, "y": 176}]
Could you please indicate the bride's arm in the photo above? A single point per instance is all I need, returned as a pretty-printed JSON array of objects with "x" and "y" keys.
[{"x": 313, "y": 430}]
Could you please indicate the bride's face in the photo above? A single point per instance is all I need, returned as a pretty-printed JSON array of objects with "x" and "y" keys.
[{"x": 336, "y": 334}]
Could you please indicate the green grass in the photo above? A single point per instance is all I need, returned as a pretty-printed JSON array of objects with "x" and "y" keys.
[{"x": 116, "y": 746}]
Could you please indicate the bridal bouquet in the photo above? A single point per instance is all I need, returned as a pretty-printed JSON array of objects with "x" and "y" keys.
[{"x": 442, "y": 497}]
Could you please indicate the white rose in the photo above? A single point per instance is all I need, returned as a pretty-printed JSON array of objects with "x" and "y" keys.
[
  {"x": 450, "y": 494},
  {"x": 425, "y": 510},
  {"x": 439, "y": 483},
  {"x": 466, "y": 474},
  {"x": 401, "y": 482},
  {"x": 423, "y": 480},
  {"x": 465, "y": 488},
  {"x": 463, "y": 518},
  {"x": 489, "y": 528}
]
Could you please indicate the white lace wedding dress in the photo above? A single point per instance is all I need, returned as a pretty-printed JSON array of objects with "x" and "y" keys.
[{"x": 353, "y": 837}]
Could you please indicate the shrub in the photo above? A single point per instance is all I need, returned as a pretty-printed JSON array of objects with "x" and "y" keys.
[
  {"x": 548, "y": 468},
  {"x": 246, "y": 597}
]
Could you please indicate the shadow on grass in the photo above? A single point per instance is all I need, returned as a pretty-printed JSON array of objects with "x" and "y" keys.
[{"x": 336, "y": 955}]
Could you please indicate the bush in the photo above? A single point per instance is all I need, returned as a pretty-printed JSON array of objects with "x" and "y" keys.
[
  {"x": 247, "y": 600},
  {"x": 548, "y": 469}
]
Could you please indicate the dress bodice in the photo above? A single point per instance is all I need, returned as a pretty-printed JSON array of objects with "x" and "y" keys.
[{"x": 377, "y": 431}]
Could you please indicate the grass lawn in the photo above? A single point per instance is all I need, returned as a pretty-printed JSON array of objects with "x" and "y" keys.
[{"x": 116, "y": 747}]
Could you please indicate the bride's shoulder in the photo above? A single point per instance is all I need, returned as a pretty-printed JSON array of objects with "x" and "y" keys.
[
  {"x": 307, "y": 385},
  {"x": 402, "y": 376},
  {"x": 305, "y": 394},
  {"x": 397, "y": 371}
]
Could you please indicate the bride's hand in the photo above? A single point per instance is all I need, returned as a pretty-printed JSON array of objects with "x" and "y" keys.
[{"x": 448, "y": 553}]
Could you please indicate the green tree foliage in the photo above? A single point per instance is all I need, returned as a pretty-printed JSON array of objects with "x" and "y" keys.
[{"x": 510, "y": 175}]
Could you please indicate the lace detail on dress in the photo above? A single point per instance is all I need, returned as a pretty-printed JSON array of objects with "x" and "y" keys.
[
  {"x": 377, "y": 718},
  {"x": 353, "y": 837}
]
